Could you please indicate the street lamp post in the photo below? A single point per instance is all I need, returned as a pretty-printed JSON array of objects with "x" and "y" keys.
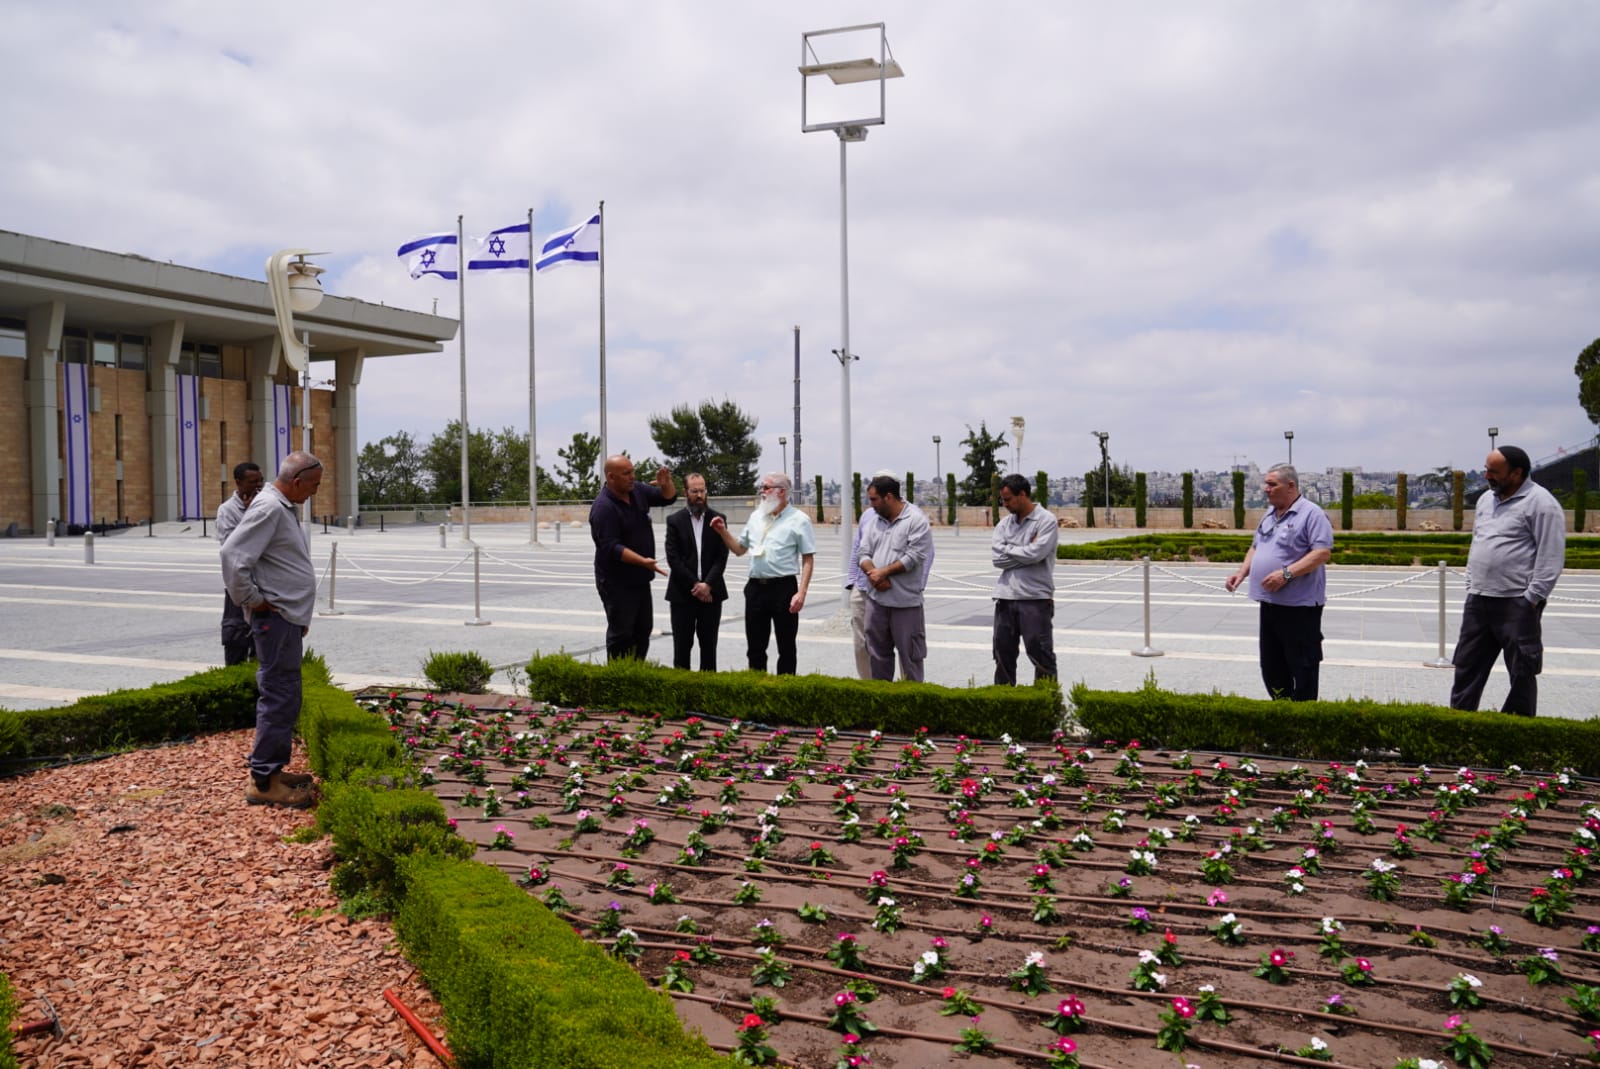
[
  {"x": 846, "y": 72},
  {"x": 1289, "y": 437},
  {"x": 292, "y": 281},
  {"x": 1105, "y": 470},
  {"x": 1494, "y": 432},
  {"x": 783, "y": 441},
  {"x": 1017, "y": 424},
  {"x": 938, "y": 473}
]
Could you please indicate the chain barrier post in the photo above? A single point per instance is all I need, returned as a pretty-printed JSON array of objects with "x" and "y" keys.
[
  {"x": 333, "y": 580},
  {"x": 441, "y": 536},
  {"x": 558, "y": 530},
  {"x": 1147, "y": 650},
  {"x": 477, "y": 616},
  {"x": 50, "y": 533},
  {"x": 1441, "y": 661},
  {"x": 88, "y": 547}
]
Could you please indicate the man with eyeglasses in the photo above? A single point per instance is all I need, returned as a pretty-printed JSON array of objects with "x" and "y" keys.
[
  {"x": 1288, "y": 573},
  {"x": 625, "y": 554},
  {"x": 782, "y": 552},
  {"x": 266, "y": 564}
]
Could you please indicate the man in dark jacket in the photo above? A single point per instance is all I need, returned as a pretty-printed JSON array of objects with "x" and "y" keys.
[
  {"x": 696, "y": 559},
  {"x": 625, "y": 554}
]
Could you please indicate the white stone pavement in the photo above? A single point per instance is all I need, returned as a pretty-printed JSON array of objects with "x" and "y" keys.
[{"x": 147, "y": 610}]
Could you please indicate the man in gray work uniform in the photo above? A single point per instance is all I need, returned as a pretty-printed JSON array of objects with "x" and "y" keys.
[
  {"x": 894, "y": 553},
  {"x": 266, "y": 565},
  {"x": 237, "y": 644},
  {"x": 1023, "y": 547}
]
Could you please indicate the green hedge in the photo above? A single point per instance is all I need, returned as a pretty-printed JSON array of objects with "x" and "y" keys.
[
  {"x": 1420, "y": 734},
  {"x": 8, "y": 1014},
  {"x": 520, "y": 990},
  {"x": 219, "y": 700},
  {"x": 803, "y": 701},
  {"x": 1360, "y": 547}
]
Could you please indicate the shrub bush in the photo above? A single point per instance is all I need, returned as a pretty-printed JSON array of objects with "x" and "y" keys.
[{"x": 458, "y": 673}]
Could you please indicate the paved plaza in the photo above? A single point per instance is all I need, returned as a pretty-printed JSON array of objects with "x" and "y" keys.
[{"x": 147, "y": 611}]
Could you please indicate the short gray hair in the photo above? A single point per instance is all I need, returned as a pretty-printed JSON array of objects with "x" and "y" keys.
[
  {"x": 777, "y": 478},
  {"x": 1286, "y": 472}
]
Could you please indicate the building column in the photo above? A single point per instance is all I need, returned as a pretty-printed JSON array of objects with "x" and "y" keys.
[
  {"x": 347, "y": 447},
  {"x": 44, "y": 325},
  {"x": 161, "y": 403},
  {"x": 262, "y": 362}
]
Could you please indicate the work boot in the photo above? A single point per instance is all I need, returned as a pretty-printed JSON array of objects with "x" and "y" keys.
[
  {"x": 295, "y": 779},
  {"x": 272, "y": 790}
]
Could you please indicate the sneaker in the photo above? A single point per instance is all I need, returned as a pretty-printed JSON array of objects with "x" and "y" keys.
[
  {"x": 295, "y": 779},
  {"x": 278, "y": 792}
]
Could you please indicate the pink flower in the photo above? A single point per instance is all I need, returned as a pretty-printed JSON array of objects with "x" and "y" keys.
[
  {"x": 948, "y": 992},
  {"x": 1363, "y": 964},
  {"x": 1280, "y": 956},
  {"x": 1452, "y": 1022},
  {"x": 1218, "y": 897},
  {"x": 1064, "y": 1045},
  {"x": 1181, "y": 1007},
  {"x": 1070, "y": 1007},
  {"x": 843, "y": 998}
]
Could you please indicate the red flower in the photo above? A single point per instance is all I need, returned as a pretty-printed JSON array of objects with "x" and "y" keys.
[
  {"x": 1363, "y": 964},
  {"x": 751, "y": 1021},
  {"x": 682, "y": 955},
  {"x": 949, "y": 992},
  {"x": 1169, "y": 938}
]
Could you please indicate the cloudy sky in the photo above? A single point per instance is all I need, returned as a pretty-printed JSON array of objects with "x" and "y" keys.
[{"x": 1193, "y": 225}]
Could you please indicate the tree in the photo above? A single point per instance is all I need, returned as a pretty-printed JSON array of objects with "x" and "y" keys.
[
  {"x": 1123, "y": 487},
  {"x": 717, "y": 440},
  {"x": 494, "y": 475},
  {"x": 1588, "y": 371},
  {"x": 391, "y": 471},
  {"x": 577, "y": 474},
  {"x": 982, "y": 459}
]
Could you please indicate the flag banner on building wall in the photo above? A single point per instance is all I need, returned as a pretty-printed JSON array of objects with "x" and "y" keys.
[
  {"x": 189, "y": 447},
  {"x": 282, "y": 415},
  {"x": 80, "y": 505}
]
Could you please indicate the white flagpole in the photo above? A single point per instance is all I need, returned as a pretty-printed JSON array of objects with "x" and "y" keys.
[
  {"x": 533, "y": 439},
  {"x": 603, "y": 453},
  {"x": 461, "y": 302}
]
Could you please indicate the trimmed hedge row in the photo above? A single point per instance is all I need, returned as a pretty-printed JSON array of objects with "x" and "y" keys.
[
  {"x": 1363, "y": 547},
  {"x": 802, "y": 701},
  {"x": 219, "y": 700},
  {"x": 1421, "y": 734},
  {"x": 520, "y": 989},
  {"x": 8, "y": 1014}
]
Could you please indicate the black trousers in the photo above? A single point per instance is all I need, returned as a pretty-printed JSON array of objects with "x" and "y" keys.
[
  {"x": 766, "y": 611},
  {"x": 1494, "y": 627},
  {"x": 1029, "y": 622},
  {"x": 1291, "y": 650},
  {"x": 238, "y": 644},
  {"x": 628, "y": 620},
  {"x": 695, "y": 620}
]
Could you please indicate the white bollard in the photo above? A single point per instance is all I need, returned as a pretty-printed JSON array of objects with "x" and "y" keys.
[
  {"x": 1147, "y": 650},
  {"x": 477, "y": 616},
  {"x": 50, "y": 533},
  {"x": 333, "y": 580},
  {"x": 1441, "y": 661},
  {"x": 88, "y": 547},
  {"x": 441, "y": 536}
]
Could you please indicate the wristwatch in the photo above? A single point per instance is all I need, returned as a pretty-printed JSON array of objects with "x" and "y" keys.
[{"x": 1287, "y": 574}]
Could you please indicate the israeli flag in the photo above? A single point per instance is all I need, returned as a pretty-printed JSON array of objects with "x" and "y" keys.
[
  {"x": 503, "y": 249},
  {"x": 575, "y": 245},
  {"x": 79, "y": 483},
  {"x": 432, "y": 254}
]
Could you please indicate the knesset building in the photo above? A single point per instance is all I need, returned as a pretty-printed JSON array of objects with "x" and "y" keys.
[{"x": 130, "y": 388}]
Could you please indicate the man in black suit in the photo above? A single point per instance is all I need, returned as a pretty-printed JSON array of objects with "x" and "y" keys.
[{"x": 696, "y": 559}]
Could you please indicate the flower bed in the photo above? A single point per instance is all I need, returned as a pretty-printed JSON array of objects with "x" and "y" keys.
[{"x": 828, "y": 899}]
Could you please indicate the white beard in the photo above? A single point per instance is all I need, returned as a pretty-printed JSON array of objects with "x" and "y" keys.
[{"x": 769, "y": 505}]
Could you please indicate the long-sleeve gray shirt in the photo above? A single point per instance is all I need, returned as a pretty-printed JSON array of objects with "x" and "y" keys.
[
  {"x": 229, "y": 513},
  {"x": 907, "y": 539},
  {"x": 1519, "y": 545},
  {"x": 1025, "y": 552},
  {"x": 266, "y": 559}
]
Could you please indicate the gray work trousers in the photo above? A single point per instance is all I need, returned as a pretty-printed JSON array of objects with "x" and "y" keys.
[
  {"x": 279, "y": 647},
  {"x": 892, "y": 630}
]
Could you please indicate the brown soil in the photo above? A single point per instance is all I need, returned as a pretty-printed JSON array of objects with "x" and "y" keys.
[{"x": 630, "y": 766}]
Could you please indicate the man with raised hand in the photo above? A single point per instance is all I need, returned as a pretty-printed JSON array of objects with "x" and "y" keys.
[{"x": 625, "y": 554}]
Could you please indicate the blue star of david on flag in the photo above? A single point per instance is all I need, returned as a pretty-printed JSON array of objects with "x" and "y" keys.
[
  {"x": 431, "y": 254},
  {"x": 502, "y": 250}
]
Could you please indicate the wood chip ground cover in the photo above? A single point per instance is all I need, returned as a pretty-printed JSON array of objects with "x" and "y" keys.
[{"x": 734, "y": 862}]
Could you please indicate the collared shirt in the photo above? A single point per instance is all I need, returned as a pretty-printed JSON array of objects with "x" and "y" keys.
[
  {"x": 1519, "y": 545},
  {"x": 776, "y": 543},
  {"x": 697, "y": 524},
  {"x": 908, "y": 539},
  {"x": 1025, "y": 552},
  {"x": 229, "y": 513},
  {"x": 1279, "y": 542},
  {"x": 615, "y": 523},
  {"x": 856, "y": 578},
  {"x": 266, "y": 559}
]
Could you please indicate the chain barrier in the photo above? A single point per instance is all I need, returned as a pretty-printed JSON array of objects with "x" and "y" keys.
[
  {"x": 406, "y": 582},
  {"x": 542, "y": 574},
  {"x": 1383, "y": 586}
]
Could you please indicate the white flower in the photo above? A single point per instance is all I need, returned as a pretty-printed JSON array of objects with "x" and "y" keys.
[
  {"x": 885, "y": 901},
  {"x": 1317, "y": 1044},
  {"x": 1160, "y": 978},
  {"x": 1227, "y": 918},
  {"x": 1380, "y": 865},
  {"x": 1471, "y": 981},
  {"x": 1297, "y": 888},
  {"x": 1147, "y": 957},
  {"x": 1206, "y": 989},
  {"x": 931, "y": 957},
  {"x": 1035, "y": 958},
  {"x": 1331, "y": 926}
]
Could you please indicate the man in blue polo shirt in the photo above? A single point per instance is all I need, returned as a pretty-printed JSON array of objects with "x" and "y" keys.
[
  {"x": 1288, "y": 573},
  {"x": 625, "y": 554},
  {"x": 782, "y": 552}
]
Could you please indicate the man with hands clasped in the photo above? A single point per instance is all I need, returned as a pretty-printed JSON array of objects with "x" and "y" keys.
[{"x": 1287, "y": 569}]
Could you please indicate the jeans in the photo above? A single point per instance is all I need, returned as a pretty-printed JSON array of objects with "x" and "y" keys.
[{"x": 279, "y": 645}]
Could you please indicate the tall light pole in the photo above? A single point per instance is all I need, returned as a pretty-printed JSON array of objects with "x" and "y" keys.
[
  {"x": 845, "y": 72},
  {"x": 1105, "y": 470},
  {"x": 1288, "y": 436},
  {"x": 784, "y": 443},
  {"x": 295, "y": 287},
  {"x": 1494, "y": 432},
  {"x": 938, "y": 472},
  {"x": 1017, "y": 424}
]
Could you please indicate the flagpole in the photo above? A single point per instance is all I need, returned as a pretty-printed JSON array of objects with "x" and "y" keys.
[
  {"x": 461, "y": 310},
  {"x": 603, "y": 453},
  {"x": 533, "y": 440}
]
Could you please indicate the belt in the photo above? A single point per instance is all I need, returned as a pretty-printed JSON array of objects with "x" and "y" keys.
[{"x": 775, "y": 579}]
